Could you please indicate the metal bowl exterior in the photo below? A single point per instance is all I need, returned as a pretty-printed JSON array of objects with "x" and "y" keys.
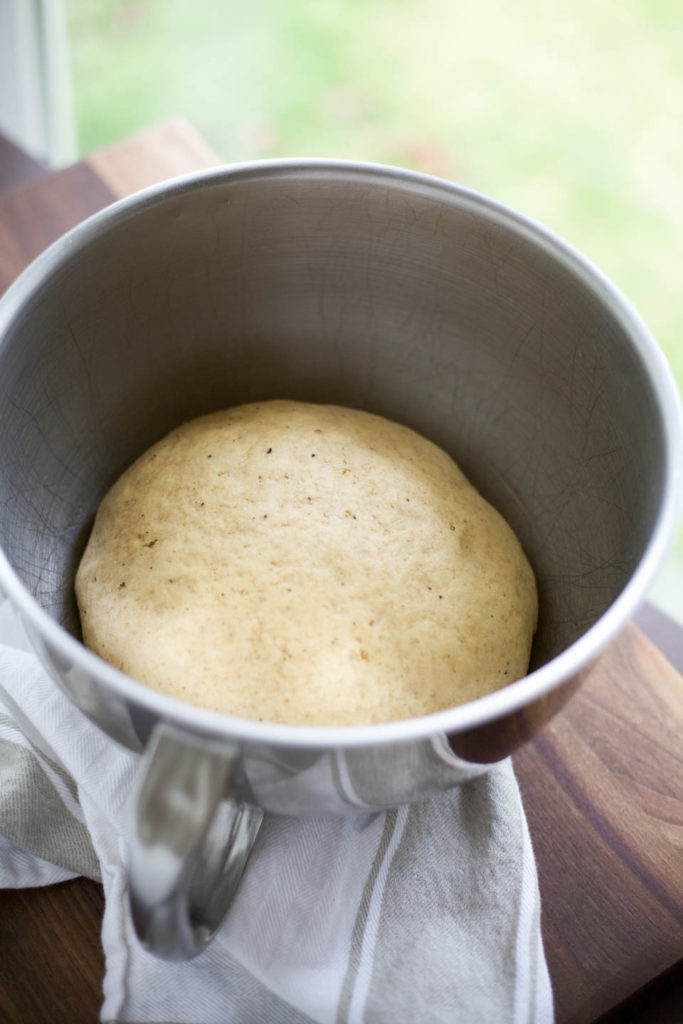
[
  {"x": 293, "y": 777},
  {"x": 365, "y": 286}
]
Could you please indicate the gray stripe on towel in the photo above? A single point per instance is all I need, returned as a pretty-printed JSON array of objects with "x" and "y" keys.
[
  {"x": 34, "y": 817},
  {"x": 57, "y": 768},
  {"x": 455, "y": 854},
  {"x": 362, "y": 919}
]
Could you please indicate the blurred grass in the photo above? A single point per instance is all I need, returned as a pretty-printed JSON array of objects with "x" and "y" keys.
[{"x": 572, "y": 114}]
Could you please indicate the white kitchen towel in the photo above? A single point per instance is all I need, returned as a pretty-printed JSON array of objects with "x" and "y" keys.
[{"x": 427, "y": 913}]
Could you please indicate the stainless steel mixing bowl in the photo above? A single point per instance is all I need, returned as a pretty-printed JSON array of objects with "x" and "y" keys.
[{"x": 368, "y": 287}]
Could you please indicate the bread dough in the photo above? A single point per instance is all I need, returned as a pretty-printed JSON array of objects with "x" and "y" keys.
[{"x": 309, "y": 564}]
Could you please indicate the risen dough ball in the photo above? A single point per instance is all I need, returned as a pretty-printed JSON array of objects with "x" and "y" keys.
[{"x": 306, "y": 564}]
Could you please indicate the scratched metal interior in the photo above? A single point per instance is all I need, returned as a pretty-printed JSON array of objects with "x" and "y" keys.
[{"x": 350, "y": 291}]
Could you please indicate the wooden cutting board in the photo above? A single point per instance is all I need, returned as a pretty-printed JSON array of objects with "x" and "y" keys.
[{"x": 602, "y": 785}]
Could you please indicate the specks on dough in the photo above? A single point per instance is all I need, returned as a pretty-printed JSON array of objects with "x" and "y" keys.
[{"x": 307, "y": 564}]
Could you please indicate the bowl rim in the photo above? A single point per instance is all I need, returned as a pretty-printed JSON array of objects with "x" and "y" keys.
[{"x": 485, "y": 710}]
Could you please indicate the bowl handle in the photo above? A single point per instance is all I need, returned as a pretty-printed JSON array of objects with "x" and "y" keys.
[{"x": 191, "y": 838}]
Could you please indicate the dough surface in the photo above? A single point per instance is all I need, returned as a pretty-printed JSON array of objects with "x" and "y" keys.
[{"x": 308, "y": 564}]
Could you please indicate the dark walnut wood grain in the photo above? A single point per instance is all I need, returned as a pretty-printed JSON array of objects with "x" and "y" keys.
[
  {"x": 34, "y": 215},
  {"x": 16, "y": 166},
  {"x": 663, "y": 631},
  {"x": 37, "y": 212},
  {"x": 51, "y": 959},
  {"x": 659, "y": 1002},
  {"x": 601, "y": 784}
]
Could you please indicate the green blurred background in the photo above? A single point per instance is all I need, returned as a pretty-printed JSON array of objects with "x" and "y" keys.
[{"x": 571, "y": 113}]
